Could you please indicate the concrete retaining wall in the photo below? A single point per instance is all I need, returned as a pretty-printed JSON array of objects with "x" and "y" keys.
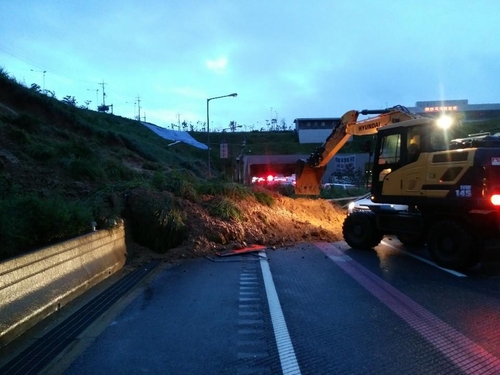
[{"x": 35, "y": 285}]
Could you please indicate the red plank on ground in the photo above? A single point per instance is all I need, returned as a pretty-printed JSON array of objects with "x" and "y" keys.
[{"x": 245, "y": 250}]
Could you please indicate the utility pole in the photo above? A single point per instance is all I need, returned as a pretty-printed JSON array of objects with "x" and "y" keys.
[
  {"x": 103, "y": 107},
  {"x": 270, "y": 120},
  {"x": 139, "y": 107},
  {"x": 103, "y": 93}
]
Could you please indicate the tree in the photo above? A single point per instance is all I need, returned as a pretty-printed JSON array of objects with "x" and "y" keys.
[
  {"x": 35, "y": 87},
  {"x": 184, "y": 125},
  {"x": 283, "y": 124},
  {"x": 202, "y": 124},
  {"x": 86, "y": 105},
  {"x": 274, "y": 124},
  {"x": 349, "y": 175},
  {"x": 232, "y": 126},
  {"x": 70, "y": 100}
]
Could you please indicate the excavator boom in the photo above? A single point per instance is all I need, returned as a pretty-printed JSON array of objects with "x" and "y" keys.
[{"x": 309, "y": 173}]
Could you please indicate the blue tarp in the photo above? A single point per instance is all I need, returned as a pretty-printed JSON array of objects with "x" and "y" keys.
[{"x": 175, "y": 135}]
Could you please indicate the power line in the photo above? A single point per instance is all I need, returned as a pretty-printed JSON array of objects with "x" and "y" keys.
[{"x": 20, "y": 58}]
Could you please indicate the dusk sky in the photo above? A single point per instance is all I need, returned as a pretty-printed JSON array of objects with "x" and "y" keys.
[{"x": 285, "y": 59}]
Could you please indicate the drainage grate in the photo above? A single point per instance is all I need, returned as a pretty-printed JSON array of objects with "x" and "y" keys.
[{"x": 33, "y": 359}]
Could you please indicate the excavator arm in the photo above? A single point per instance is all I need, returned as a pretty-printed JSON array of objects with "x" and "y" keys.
[{"x": 309, "y": 173}]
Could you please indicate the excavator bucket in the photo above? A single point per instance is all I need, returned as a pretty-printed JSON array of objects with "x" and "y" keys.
[{"x": 308, "y": 179}]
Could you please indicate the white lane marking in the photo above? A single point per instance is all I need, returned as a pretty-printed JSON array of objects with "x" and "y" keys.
[
  {"x": 454, "y": 273},
  {"x": 289, "y": 364}
]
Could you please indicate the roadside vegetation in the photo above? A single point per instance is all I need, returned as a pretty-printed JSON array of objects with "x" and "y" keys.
[{"x": 65, "y": 170}]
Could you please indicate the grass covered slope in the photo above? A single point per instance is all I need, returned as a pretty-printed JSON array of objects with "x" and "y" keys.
[{"x": 64, "y": 169}]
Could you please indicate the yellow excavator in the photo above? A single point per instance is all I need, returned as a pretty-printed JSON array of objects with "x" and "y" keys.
[
  {"x": 450, "y": 186},
  {"x": 309, "y": 173}
]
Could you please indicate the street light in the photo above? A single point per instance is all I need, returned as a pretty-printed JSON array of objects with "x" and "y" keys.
[
  {"x": 43, "y": 72},
  {"x": 208, "y": 126}
]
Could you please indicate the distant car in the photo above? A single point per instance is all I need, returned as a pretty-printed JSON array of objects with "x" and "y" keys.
[
  {"x": 338, "y": 186},
  {"x": 279, "y": 179},
  {"x": 364, "y": 203}
]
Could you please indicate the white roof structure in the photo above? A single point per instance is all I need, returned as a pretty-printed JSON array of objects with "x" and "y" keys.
[{"x": 174, "y": 135}]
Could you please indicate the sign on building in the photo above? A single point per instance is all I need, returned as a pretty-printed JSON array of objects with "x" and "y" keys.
[{"x": 343, "y": 163}]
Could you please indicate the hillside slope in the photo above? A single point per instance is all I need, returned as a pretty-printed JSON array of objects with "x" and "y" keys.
[{"x": 64, "y": 169}]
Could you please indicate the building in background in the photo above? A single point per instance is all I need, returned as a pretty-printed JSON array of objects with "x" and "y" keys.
[
  {"x": 469, "y": 112},
  {"x": 315, "y": 130}
]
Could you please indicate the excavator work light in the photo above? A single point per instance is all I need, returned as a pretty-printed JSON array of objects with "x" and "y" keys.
[{"x": 444, "y": 122}]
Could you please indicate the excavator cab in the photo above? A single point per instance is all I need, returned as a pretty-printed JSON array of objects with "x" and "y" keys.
[{"x": 402, "y": 171}]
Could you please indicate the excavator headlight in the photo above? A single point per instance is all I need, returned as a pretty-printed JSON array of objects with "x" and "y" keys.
[
  {"x": 351, "y": 206},
  {"x": 495, "y": 199},
  {"x": 444, "y": 121}
]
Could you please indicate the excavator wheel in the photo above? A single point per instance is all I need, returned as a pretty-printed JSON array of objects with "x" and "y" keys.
[
  {"x": 450, "y": 245},
  {"x": 360, "y": 231}
]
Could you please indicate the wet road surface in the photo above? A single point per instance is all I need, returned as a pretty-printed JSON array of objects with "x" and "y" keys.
[{"x": 318, "y": 308}]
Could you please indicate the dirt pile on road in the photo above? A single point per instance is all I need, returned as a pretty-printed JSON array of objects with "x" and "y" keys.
[{"x": 286, "y": 222}]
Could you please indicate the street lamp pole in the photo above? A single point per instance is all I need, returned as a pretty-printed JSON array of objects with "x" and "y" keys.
[
  {"x": 43, "y": 72},
  {"x": 208, "y": 126}
]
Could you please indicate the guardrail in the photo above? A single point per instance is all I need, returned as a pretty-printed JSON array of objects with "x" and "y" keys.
[{"x": 36, "y": 284}]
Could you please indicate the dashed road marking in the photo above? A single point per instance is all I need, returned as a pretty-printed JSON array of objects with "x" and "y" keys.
[{"x": 252, "y": 346}]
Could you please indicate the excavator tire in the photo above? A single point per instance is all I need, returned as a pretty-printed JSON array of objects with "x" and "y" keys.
[
  {"x": 360, "y": 231},
  {"x": 450, "y": 245}
]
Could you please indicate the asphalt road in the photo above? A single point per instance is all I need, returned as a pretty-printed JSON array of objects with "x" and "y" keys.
[{"x": 312, "y": 309}]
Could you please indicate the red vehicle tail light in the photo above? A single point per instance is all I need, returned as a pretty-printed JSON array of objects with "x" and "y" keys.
[{"x": 495, "y": 199}]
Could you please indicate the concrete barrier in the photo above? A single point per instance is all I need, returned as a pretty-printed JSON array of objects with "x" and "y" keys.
[{"x": 36, "y": 284}]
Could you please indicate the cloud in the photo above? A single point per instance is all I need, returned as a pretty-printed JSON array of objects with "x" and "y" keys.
[
  {"x": 189, "y": 92},
  {"x": 218, "y": 65}
]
